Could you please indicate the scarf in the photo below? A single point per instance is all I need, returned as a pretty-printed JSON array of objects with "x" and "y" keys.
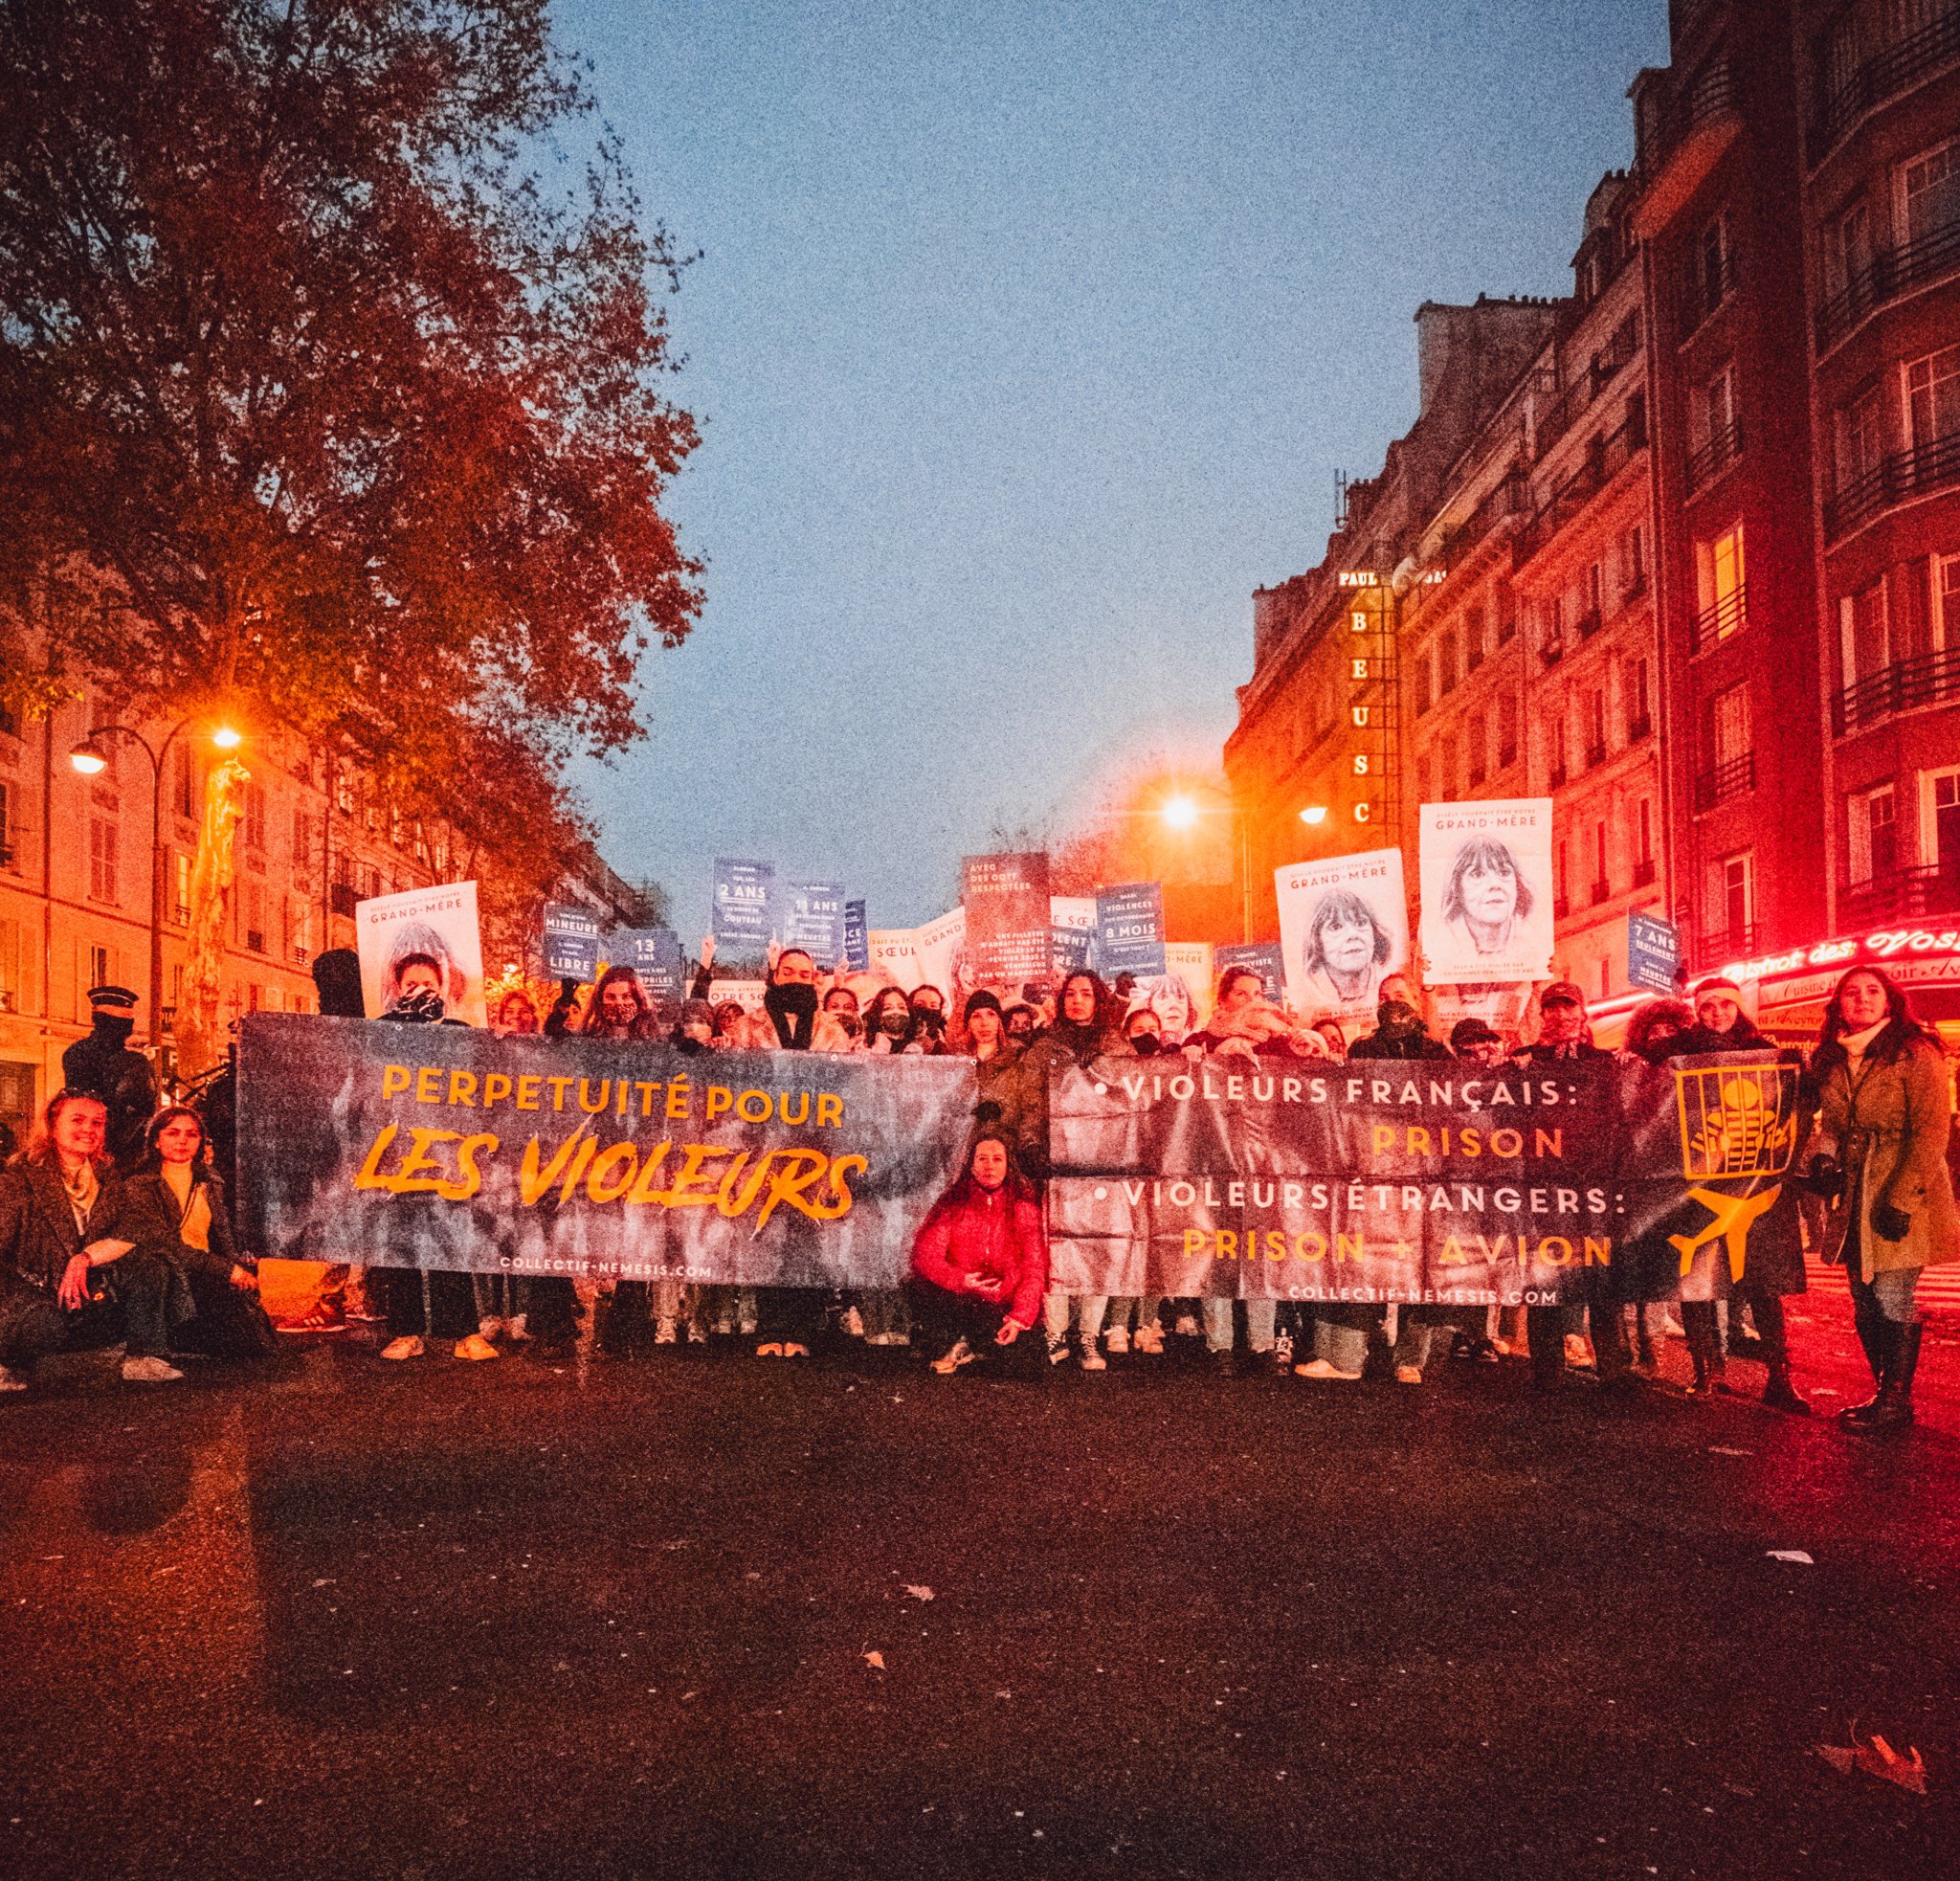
[{"x": 84, "y": 1186}]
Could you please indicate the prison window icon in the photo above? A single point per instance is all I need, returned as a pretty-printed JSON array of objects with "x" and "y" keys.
[{"x": 1736, "y": 1120}]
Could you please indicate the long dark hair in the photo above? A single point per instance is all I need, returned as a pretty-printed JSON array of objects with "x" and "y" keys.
[
  {"x": 874, "y": 1017},
  {"x": 1100, "y": 1021},
  {"x": 964, "y": 1189},
  {"x": 1345, "y": 905},
  {"x": 1900, "y": 1032},
  {"x": 644, "y": 1025},
  {"x": 1486, "y": 855}
]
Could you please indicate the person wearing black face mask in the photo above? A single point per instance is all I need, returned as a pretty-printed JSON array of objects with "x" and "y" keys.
[
  {"x": 1400, "y": 1031},
  {"x": 104, "y": 1065},
  {"x": 789, "y": 1317},
  {"x": 1144, "y": 1032}
]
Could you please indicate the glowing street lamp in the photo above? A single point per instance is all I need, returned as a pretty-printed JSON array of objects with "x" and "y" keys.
[
  {"x": 90, "y": 760},
  {"x": 1314, "y": 815},
  {"x": 1180, "y": 811}
]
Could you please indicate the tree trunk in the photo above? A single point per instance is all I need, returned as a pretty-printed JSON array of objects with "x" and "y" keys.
[{"x": 199, "y": 1045}]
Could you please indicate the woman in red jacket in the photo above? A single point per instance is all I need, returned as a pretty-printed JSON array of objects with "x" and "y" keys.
[{"x": 980, "y": 1263}]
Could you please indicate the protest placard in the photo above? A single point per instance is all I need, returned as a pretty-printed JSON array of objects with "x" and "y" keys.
[
  {"x": 1488, "y": 892},
  {"x": 1344, "y": 927},
  {"x": 422, "y": 939}
]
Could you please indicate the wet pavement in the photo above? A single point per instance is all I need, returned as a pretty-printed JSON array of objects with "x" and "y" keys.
[{"x": 619, "y": 1618}]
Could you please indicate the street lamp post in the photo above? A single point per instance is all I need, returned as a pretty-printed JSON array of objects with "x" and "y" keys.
[
  {"x": 89, "y": 760},
  {"x": 1181, "y": 812}
]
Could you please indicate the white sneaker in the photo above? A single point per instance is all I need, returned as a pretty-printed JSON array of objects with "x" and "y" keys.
[
  {"x": 1671, "y": 1326},
  {"x": 489, "y": 1326},
  {"x": 1117, "y": 1341},
  {"x": 1149, "y": 1339},
  {"x": 696, "y": 1333},
  {"x": 149, "y": 1371},
  {"x": 724, "y": 1328},
  {"x": 666, "y": 1332},
  {"x": 10, "y": 1380},
  {"x": 518, "y": 1327},
  {"x": 962, "y": 1354},
  {"x": 1408, "y": 1373},
  {"x": 1578, "y": 1353},
  {"x": 1057, "y": 1348},
  {"x": 1323, "y": 1368},
  {"x": 408, "y": 1346},
  {"x": 1090, "y": 1360},
  {"x": 1186, "y": 1325},
  {"x": 851, "y": 1323}
]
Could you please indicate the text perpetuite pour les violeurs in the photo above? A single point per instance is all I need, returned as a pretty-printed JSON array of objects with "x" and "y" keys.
[{"x": 451, "y": 1164}]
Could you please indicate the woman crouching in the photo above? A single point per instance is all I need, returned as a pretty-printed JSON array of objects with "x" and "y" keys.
[
  {"x": 177, "y": 1210},
  {"x": 980, "y": 1263}
]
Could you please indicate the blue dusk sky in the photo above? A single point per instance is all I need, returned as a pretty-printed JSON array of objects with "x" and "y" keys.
[{"x": 1026, "y": 342}]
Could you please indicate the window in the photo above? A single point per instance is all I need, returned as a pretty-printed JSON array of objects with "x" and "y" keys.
[
  {"x": 1723, "y": 601},
  {"x": 1848, "y": 253},
  {"x": 1734, "y": 909},
  {"x": 180, "y": 865},
  {"x": 1446, "y": 768},
  {"x": 13, "y": 958},
  {"x": 1555, "y": 745},
  {"x": 1859, "y": 439},
  {"x": 1932, "y": 398},
  {"x": 1560, "y": 900},
  {"x": 1946, "y": 823},
  {"x": 1595, "y": 725},
  {"x": 1930, "y": 193},
  {"x": 1632, "y": 561},
  {"x": 1425, "y": 681},
  {"x": 1912, "y": 610},
  {"x": 1716, "y": 406},
  {"x": 1422, "y": 794},
  {"x": 1479, "y": 750},
  {"x": 1602, "y": 887},
  {"x": 1643, "y": 838},
  {"x": 251, "y": 916},
  {"x": 1507, "y": 614},
  {"x": 101, "y": 972},
  {"x": 1446, "y": 662},
  {"x": 10, "y": 720},
  {"x": 1473, "y": 638},
  {"x": 1711, "y": 270},
  {"x": 251, "y": 825},
  {"x": 1595, "y": 590},
  {"x": 1507, "y": 730},
  {"x": 1640, "y": 701},
  {"x": 184, "y": 784},
  {"x": 102, "y": 844},
  {"x": 1946, "y": 586},
  {"x": 8, "y": 858},
  {"x": 1874, "y": 834},
  {"x": 1731, "y": 735},
  {"x": 1863, "y": 632},
  {"x": 302, "y": 837}
]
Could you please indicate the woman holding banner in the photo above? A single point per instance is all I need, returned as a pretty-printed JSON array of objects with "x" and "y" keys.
[
  {"x": 1886, "y": 1113},
  {"x": 980, "y": 1262}
]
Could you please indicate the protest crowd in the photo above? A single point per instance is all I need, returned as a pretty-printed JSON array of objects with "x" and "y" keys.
[{"x": 116, "y": 1225}]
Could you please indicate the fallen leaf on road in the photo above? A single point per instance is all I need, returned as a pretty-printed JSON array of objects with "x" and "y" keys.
[
  {"x": 919, "y": 1592},
  {"x": 1795, "y": 1555},
  {"x": 876, "y": 1661},
  {"x": 1878, "y": 1759}
]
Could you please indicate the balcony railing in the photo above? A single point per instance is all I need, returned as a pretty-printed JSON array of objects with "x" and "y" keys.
[
  {"x": 1892, "y": 272},
  {"x": 1645, "y": 872},
  {"x": 1589, "y": 623},
  {"x": 1722, "y": 617},
  {"x": 1902, "y": 894},
  {"x": 1891, "y": 70},
  {"x": 1586, "y": 387},
  {"x": 1705, "y": 294},
  {"x": 1730, "y": 778},
  {"x": 1736, "y": 942},
  {"x": 1603, "y": 463},
  {"x": 1929, "y": 679},
  {"x": 1639, "y": 728},
  {"x": 1602, "y": 892},
  {"x": 1897, "y": 478},
  {"x": 1509, "y": 499},
  {"x": 1712, "y": 96},
  {"x": 1721, "y": 449}
]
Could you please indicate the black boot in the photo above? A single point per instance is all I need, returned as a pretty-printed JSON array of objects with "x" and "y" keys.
[
  {"x": 1884, "y": 1364},
  {"x": 1780, "y": 1394},
  {"x": 1894, "y": 1409}
]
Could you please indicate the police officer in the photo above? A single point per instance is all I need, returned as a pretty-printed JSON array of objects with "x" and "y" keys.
[{"x": 104, "y": 1065}]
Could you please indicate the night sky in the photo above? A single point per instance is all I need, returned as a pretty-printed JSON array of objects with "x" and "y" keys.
[{"x": 1026, "y": 342}]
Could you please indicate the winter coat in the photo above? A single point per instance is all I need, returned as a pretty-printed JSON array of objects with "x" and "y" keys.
[
  {"x": 152, "y": 1219},
  {"x": 38, "y": 1236},
  {"x": 1889, "y": 1125},
  {"x": 1053, "y": 1050},
  {"x": 997, "y": 1233},
  {"x": 1415, "y": 1043}
]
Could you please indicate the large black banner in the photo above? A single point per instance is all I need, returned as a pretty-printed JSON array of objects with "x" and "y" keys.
[
  {"x": 447, "y": 1148},
  {"x": 1440, "y": 1182}
]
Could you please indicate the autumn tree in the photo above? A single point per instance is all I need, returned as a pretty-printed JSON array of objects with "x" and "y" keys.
[{"x": 331, "y": 348}]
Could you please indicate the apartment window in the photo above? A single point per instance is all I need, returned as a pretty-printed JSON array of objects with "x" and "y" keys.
[
  {"x": 1446, "y": 767},
  {"x": 1472, "y": 640},
  {"x": 184, "y": 784},
  {"x": 1946, "y": 822},
  {"x": 181, "y": 867},
  {"x": 1716, "y": 406},
  {"x": 1422, "y": 777},
  {"x": 1595, "y": 725},
  {"x": 251, "y": 916},
  {"x": 1479, "y": 750},
  {"x": 1632, "y": 561},
  {"x": 1730, "y": 728},
  {"x": 10, "y": 720},
  {"x": 1595, "y": 590},
  {"x": 13, "y": 958},
  {"x": 1555, "y": 745},
  {"x": 102, "y": 843},
  {"x": 1863, "y": 631},
  {"x": 1912, "y": 610},
  {"x": 1446, "y": 660},
  {"x": 1602, "y": 887},
  {"x": 1874, "y": 834},
  {"x": 1735, "y": 900},
  {"x": 1554, "y": 621},
  {"x": 1848, "y": 251},
  {"x": 1425, "y": 681},
  {"x": 302, "y": 837},
  {"x": 1639, "y": 700},
  {"x": 1711, "y": 268},
  {"x": 1722, "y": 598},
  {"x": 102, "y": 970},
  {"x": 251, "y": 825},
  {"x": 1946, "y": 586},
  {"x": 1507, "y": 730},
  {"x": 1507, "y": 614},
  {"x": 1932, "y": 398},
  {"x": 1561, "y": 901},
  {"x": 7, "y": 854},
  {"x": 1643, "y": 837},
  {"x": 1859, "y": 439},
  {"x": 1930, "y": 193}
]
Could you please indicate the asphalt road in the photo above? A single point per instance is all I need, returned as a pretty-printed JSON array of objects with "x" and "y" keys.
[{"x": 499, "y": 1620}]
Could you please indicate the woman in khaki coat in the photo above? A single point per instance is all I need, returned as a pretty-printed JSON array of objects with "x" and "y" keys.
[{"x": 1887, "y": 1109}]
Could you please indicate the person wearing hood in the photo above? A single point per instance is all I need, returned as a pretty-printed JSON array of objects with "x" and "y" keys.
[
  {"x": 1400, "y": 1030},
  {"x": 104, "y": 1065},
  {"x": 980, "y": 1262},
  {"x": 1774, "y": 1262},
  {"x": 1083, "y": 1031},
  {"x": 1654, "y": 1028},
  {"x": 1886, "y": 1116}
]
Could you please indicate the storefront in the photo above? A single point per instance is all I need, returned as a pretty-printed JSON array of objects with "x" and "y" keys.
[{"x": 1791, "y": 988}]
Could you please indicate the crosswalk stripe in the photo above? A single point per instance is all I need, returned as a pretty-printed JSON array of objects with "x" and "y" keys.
[{"x": 1938, "y": 1287}]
